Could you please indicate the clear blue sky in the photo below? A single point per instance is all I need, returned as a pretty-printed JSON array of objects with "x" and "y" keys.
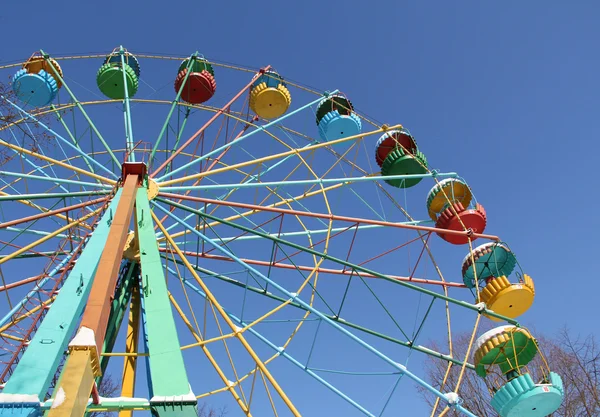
[{"x": 504, "y": 93}]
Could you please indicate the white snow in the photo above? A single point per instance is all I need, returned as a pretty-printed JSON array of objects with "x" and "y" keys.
[
  {"x": 111, "y": 400},
  {"x": 423, "y": 347},
  {"x": 490, "y": 334},
  {"x": 401, "y": 367},
  {"x": 481, "y": 306},
  {"x": 172, "y": 398},
  {"x": 19, "y": 398},
  {"x": 176, "y": 398},
  {"x": 452, "y": 397},
  {"x": 84, "y": 337},
  {"x": 59, "y": 399}
]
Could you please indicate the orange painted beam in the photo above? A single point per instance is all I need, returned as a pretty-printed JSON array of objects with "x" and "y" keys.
[
  {"x": 19, "y": 283},
  {"x": 319, "y": 269},
  {"x": 208, "y": 123},
  {"x": 52, "y": 212},
  {"x": 258, "y": 208},
  {"x": 97, "y": 310}
]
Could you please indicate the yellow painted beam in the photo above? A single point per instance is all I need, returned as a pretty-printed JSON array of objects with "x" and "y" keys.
[
  {"x": 238, "y": 335},
  {"x": 71, "y": 397},
  {"x": 8, "y": 336},
  {"x": 228, "y": 385},
  {"x": 250, "y": 212},
  {"x": 57, "y": 162},
  {"x": 25, "y": 315},
  {"x": 272, "y": 157},
  {"x": 131, "y": 347}
]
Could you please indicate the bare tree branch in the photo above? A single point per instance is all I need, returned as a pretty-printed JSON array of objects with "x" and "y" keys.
[
  {"x": 575, "y": 359},
  {"x": 28, "y": 132}
]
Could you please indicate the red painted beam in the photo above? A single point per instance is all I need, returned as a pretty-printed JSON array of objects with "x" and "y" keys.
[
  {"x": 24, "y": 281},
  {"x": 207, "y": 124},
  {"x": 213, "y": 163},
  {"x": 138, "y": 169},
  {"x": 53, "y": 212},
  {"x": 321, "y": 270},
  {"x": 324, "y": 216}
]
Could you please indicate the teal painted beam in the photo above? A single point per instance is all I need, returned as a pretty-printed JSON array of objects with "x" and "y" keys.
[
  {"x": 36, "y": 368},
  {"x": 71, "y": 136},
  {"x": 180, "y": 133},
  {"x": 252, "y": 178},
  {"x": 351, "y": 336},
  {"x": 241, "y": 138},
  {"x": 80, "y": 107},
  {"x": 127, "y": 111},
  {"x": 336, "y": 318},
  {"x": 307, "y": 182},
  {"x": 475, "y": 307},
  {"x": 59, "y": 137},
  {"x": 171, "y": 391}
]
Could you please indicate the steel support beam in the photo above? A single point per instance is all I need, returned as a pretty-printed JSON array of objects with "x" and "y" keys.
[
  {"x": 131, "y": 347},
  {"x": 74, "y": 383},
  {"x": 36, "y": 368},
  {"x": 172, "y": 395}
]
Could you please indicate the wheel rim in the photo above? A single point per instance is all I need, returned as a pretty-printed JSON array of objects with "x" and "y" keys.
[{"x": 293, "y": 215}]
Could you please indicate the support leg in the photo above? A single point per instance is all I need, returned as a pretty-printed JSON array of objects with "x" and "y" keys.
[
  {"x": 36, "y": 368},
  {"x": 83, "y": 350},
  {"x": 170, "y": 386},
  {"x": 131, "y": 346}
]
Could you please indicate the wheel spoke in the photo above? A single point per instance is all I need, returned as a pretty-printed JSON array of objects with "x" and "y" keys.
[
  {"x": 228, "y": 320},
  {"x": 80, "y": 107},
  {"x": 241, "y": 237},
  {"x": 401, "y": 369},
  {"x": 61, "y": 138}
]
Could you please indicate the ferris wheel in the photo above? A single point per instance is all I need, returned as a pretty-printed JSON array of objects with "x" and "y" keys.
[{"x": 205, "y": 231}]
